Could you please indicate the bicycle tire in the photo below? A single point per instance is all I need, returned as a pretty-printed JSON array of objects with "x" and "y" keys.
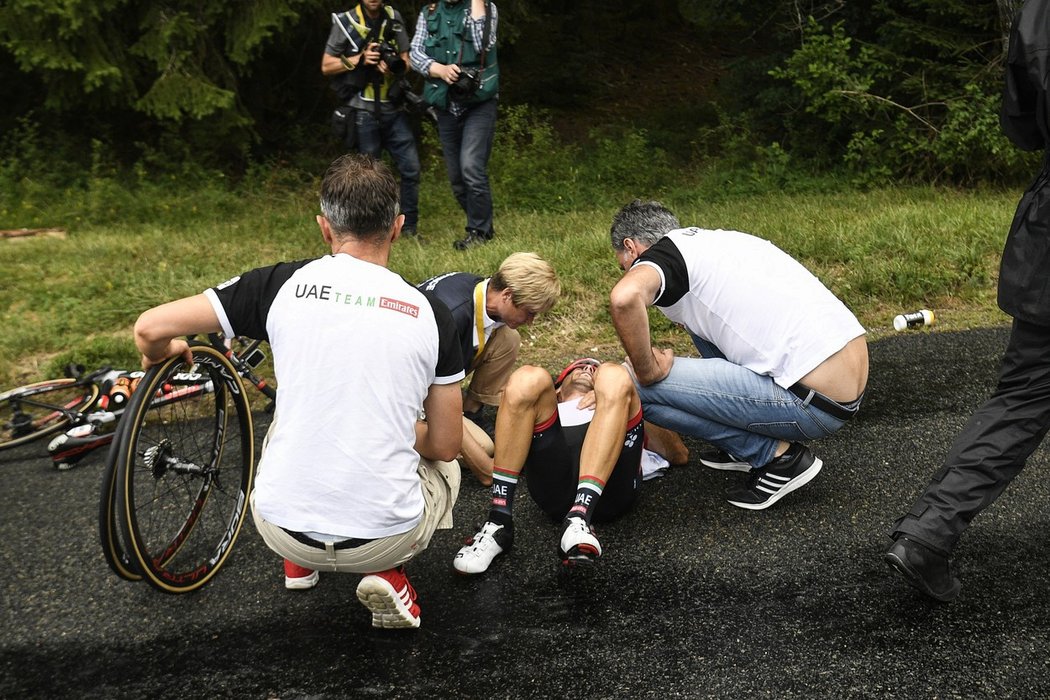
[
  {"x": 37, "y": 410},
  {"x": 185, "y": 470},
  {"x": 116, "y": 550}
]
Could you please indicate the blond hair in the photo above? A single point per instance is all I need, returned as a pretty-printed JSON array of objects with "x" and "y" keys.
[{"x": 531, "y": 280}]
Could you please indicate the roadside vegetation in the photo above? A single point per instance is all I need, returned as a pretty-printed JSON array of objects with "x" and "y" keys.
[
  {"x": 140, "y": 236},
  {"x": 860, "y": 137}
]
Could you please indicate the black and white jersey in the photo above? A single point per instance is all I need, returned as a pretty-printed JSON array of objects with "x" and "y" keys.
[
  {"x": 756, "y": 303},
  {"x": 456, "y": 291},
  {"x": 356, "y": 349}
]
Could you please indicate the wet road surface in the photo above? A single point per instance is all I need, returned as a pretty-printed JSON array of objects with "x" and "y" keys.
[{"x": 693, "y": 598}]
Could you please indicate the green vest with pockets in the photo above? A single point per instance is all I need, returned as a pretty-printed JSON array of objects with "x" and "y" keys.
[{"x": 446, "y": 28}]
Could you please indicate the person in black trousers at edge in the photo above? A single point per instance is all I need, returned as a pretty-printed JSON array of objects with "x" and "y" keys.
[
  {"x": 999, "y": 437},
  {"x": 454, "y": 48}
]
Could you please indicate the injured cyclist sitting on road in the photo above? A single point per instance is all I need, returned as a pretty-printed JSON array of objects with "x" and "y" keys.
[{"x": 581, "y": 439}]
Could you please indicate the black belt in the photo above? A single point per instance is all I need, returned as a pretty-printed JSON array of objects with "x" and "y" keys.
[
  {"x": 311, "y": 542},
  {"x": 822, "y": 402}
]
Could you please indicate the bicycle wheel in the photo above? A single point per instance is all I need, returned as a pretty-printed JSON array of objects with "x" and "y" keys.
[
  {"x": 115, "y": 548},
  {"x": 185, "y": 465},
  {"x": 36, "y": 410}
]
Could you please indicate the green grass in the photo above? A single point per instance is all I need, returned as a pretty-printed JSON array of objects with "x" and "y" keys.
[{"x": 74, "y": 299}]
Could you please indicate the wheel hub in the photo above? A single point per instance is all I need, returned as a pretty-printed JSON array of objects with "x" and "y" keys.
[{"x": 158, "y": 457}]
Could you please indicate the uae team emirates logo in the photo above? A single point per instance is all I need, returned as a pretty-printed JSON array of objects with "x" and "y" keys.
[{"x": 400, "y": 306}]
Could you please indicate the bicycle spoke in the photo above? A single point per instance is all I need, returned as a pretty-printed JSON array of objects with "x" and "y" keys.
[
  {"x": 37, "y": 410},
  {"x": 187, "y": 472}
]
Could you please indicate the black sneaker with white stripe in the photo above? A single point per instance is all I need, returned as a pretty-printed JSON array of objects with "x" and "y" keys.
[
  {"x": 722, "y": 460},
  {"x": 767, "y": 485}
]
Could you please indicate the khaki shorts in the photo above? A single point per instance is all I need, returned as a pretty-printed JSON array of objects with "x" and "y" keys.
[
  {"x": 440, "y": 482},
  {"x": 492, "y": 370}
]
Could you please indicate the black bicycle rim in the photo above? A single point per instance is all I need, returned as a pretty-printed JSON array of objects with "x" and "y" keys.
[
  {"x": 185, "y": 470},
  {"x": 116, "y": 549}
]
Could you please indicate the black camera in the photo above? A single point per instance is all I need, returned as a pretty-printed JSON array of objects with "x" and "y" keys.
[
  {"x": 416, "y": 104},
  {"x": 466, "y": 84},
  {"x": 394, "y": 63}
]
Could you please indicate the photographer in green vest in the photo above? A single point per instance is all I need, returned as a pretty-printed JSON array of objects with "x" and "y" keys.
[{"x": 454, "y": 48}]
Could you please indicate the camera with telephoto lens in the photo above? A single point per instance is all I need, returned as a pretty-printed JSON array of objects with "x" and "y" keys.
[
  {"x": 416, "y": 104},
  {"x": 466, "y": 84},
  {"x": 389, "y": 55}
]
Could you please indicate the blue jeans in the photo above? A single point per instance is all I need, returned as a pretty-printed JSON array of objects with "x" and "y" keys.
[
  {"x": 744, "y": 413},
  {"x": 466, "y": 141},
  {"x": 393, "y": 132}
]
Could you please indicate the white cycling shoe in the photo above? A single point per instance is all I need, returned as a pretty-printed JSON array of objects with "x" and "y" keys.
[
  {"x": 490, "y": 541},
  {"x": 578, "y": 543}
]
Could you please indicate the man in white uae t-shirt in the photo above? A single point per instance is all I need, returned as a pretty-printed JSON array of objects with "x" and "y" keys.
[
  {"x": 349, "y": 479},
  {"x": 782, "y": 359}
]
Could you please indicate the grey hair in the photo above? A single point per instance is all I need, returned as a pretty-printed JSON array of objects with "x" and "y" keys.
[
  {"x": 359, "y": 197},
  {"x": 646, "y": 222}
]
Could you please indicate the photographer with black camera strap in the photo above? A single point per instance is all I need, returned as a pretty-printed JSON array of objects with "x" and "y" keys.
[
  {"x": 367, "y": 58},
  {"x": 454, "y": 48}
]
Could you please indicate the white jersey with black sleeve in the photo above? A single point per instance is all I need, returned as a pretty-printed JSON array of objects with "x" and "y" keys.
[
  {"x": 756, "y": 303},
  {"x": 355, "y": 351}
]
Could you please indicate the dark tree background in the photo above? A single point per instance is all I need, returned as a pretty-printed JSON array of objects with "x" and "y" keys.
[{"x": 888, "y": 88}]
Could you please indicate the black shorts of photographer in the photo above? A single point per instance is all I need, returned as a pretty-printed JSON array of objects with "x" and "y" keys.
[{"x": 367, "y": 58}]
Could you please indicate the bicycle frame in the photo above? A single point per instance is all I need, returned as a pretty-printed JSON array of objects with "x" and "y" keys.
[
  {"x": 71, "y": 446},
  {"x": 90, "y": 424}
]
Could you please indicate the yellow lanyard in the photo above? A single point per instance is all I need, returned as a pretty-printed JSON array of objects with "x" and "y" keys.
[{"x": 479, "y": 317}]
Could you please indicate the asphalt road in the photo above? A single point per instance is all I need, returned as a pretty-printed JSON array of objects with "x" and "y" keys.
[{"x": 694, "y": 598}]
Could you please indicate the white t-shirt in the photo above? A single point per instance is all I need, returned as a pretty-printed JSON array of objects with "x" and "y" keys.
[
  {"x": 355, "y": 349},
  {"x": 756, "y": 303}
]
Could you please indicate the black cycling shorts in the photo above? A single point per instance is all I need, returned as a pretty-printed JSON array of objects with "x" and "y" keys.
[{"x": 552, "y": 469}]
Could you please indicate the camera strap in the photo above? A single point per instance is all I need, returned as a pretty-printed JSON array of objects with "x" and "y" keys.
[
  {"x": 363, "y": 28},
  {"x": 342, "y": 28},
  {"x": 485, "y": 34},
  {"x": 484, "y": 38},
  {"x": 374, "y": 34},
  {"x": 354, "y": 27},
  {"x": 377, "y": 77},
  {"x": 360, "y": 26}
]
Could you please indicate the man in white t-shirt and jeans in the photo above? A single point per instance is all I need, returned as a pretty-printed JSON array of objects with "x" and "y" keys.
[
  {"x": 783, "y": 360},
  {"x": 349, "y": 478}
]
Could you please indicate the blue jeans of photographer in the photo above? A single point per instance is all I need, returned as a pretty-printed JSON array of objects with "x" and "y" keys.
[
  {"x": 466, "y": 141},
  {"x": 393, "y": 131},
  {"x": 744, "y": 413}
]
